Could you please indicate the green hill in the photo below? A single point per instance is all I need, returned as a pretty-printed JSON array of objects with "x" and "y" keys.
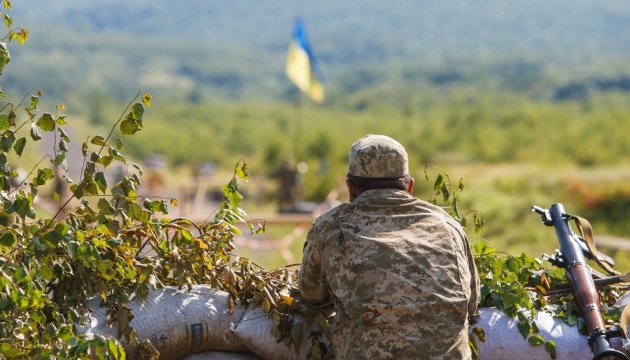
[{"x": 236, "y": 50}]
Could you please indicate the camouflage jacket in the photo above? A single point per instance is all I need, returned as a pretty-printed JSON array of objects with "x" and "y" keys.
[{"x": 401, "y": 274}]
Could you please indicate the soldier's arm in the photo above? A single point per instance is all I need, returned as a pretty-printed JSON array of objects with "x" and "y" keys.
[
  {"x": 472, "y": 269},
  {"x": 312, "y": 277},
  {"x": 474, "y": 282}
]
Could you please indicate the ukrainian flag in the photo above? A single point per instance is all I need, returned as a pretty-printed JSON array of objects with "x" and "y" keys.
[{"x": 301, "y": 66}]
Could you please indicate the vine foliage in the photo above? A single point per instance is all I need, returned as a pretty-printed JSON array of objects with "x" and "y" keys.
[{"x": 523, "y": 285}]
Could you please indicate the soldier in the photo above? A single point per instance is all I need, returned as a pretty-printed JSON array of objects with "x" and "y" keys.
[
  {"x": 288, "y": 186},
  {"x": 399, "y": 270}
]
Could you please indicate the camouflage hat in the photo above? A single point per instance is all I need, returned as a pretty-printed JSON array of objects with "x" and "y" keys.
[{"x": 378, "y": 156}]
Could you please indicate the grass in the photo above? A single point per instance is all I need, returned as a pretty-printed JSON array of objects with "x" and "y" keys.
[{"x": 504, "y": 193}]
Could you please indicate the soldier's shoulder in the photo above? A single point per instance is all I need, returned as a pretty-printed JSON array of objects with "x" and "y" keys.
[
  {"x": 332, "y": 214},
  {"x": 432, "y": 208}
]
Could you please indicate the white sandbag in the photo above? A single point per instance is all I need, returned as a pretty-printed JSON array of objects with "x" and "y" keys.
[
  {"x": 254, "y": 331},
  {"x": 220, "y": 355},
  {"x": 178, "y": 323},
  {"x": 503, "y": 340}
]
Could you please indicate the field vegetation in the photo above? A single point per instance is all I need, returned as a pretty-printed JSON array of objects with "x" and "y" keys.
[{"x": 527, "y": 103}]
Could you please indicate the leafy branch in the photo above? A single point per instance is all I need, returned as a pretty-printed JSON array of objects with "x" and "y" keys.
[{"x": 443, "y": 188}]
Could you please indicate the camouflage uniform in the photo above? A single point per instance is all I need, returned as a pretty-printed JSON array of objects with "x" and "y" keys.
[{"x": 400, "y": 273}]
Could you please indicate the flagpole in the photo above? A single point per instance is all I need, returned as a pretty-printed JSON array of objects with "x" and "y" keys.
[
  {"x": 302, "y": 70},
  {"x": 299, "y": 138}
]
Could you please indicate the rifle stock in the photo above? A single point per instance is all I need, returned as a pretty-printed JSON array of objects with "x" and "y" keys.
[{"x": 579, "y": 276}]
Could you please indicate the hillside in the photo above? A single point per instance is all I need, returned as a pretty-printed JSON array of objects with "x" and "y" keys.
[
  {"x": 236, "y": 50},
  {"x": 477, "y": 90}
]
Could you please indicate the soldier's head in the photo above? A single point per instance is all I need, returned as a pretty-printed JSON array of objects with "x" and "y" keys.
[{"x": 378, "y": 162}]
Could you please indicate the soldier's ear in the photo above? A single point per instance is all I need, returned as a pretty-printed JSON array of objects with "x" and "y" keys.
[
  {"x": 352, "y": 190},
  {"x": 410, "y": 186}
]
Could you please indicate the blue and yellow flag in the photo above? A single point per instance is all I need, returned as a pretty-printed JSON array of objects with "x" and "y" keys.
[{"x": 302, "y": 67}]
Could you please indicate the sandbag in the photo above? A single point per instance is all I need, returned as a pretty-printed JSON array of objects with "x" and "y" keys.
[
  {"x": 177, "y": 323},
  {"x": 503, "y": 340},
  {"x": 254, "y": 331},
  {"x": 220, "y": 355}
]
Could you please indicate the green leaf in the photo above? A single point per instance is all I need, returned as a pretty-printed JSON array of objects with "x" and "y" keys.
[
  {"x": 7, "y": 239},
  {"x": 19, "y": 146},
  {"x": 105, "y": 160},
  {"x": 98, "y": 140},
  {"x": 235, "y": 199},
  {"x": 90, "y": 169},
  {"x": 512, "y": 265},
  {"x": 157, "y": 205},
  {"x": 4, "y": 165},
  {"x": 136, "y": 212},
  {"x": 5, "y": 58},
  {"x": 137, "y": 110},
  {"x": 101, "y": 181},
  {"x": 550, "y": 348},
  {"x": 34, "y": 133},
  {"x": 63, "y": 146},
  {"x": 62, "y": 228},
  {"x": 536, "y": 340},
  {"x": 113, "y": 349},
  {"x": 130, "y": 125},
  {"x": 34, "y": 102},
  {"x": 113, "y": 242},
  {"x": 85, "y": 251},
  {"x": 21, "y": 206},
  {"x": 241, "y": 171},
  {"x": 46, "y": 122},
  {"x": 74, "y": 316},
  {"x": 43, "y": 175},
  {"x": 5, "y": 184},
  {"x": 47, "y": 272},
  {"x": 524, "y": 327},
  {"x": 52, "y": 238},
  {"x": 60, "y": 159},
  {"x": 5, "y": 123},
  {"x": 137, "y": 167},
  {"x": 116, "y": 155},
  {"x": 482, "y": 248},
  {"x": 62, "y": 133},
  {"x": 71, "y": 248},
  {"x": 186, "y": 234},
  {"x": 39, "y": 245},
  {"x": 439, "y": 181},
  {"x": 300, "y": 332},
  {"x": 106, "y": 207}
]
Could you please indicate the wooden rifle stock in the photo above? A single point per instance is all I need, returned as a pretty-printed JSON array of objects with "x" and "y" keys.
[{"x": 571, "y": 257}]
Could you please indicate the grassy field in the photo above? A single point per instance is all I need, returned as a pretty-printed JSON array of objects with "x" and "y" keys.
[{"x": 505, "y": 194}]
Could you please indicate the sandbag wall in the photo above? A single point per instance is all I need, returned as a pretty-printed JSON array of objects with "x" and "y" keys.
[
  {"x": 503, "y": 340},
  {"x": 178, "y": 322},
  {"x": 197, "y": 325}
]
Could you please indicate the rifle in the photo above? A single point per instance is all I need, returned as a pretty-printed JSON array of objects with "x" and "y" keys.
[{"x": 571, "y": 257}]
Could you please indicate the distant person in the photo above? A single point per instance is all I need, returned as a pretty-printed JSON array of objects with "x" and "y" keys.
[
  {"x": 155, "y": 163},
  {"x": 287, "y": 186},
  {"x": 398, "y": 270},
  {"x": 118, "y": 173}
]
